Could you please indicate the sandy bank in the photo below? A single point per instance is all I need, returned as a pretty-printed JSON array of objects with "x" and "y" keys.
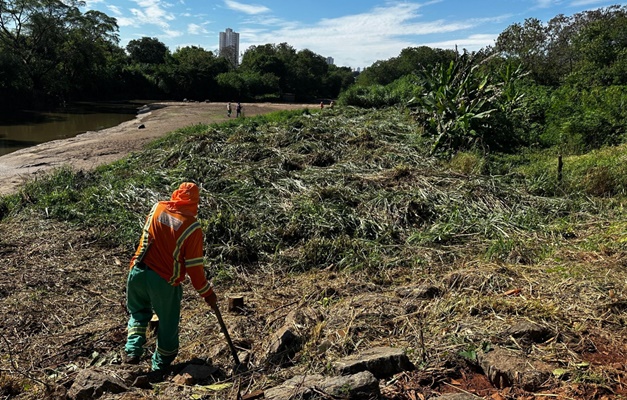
[{"x": 94, "y": 148}]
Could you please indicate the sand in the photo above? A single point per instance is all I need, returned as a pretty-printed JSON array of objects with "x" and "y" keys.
[{"x": 91, "y": 149}]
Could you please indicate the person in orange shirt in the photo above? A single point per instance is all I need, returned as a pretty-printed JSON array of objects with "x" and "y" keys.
[{"x": 170, "y": 248}]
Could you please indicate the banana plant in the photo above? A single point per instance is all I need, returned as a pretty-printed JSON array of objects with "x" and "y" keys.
[{"x": 457, "y": 103}]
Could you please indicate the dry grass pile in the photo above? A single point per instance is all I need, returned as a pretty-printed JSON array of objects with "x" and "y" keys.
[{"x": 340, "y": 225}]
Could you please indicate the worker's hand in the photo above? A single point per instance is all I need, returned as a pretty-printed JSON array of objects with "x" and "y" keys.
[{"x": 211, "y": 298}]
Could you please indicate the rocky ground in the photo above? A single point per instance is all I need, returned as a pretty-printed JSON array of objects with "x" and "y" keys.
[{"x": 63, "y": 316}]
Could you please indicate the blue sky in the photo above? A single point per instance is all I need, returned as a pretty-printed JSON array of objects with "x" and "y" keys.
[{"x": 356, "y": 33}]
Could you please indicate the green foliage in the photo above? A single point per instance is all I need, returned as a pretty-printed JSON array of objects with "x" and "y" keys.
[
  {"x": 579, "y": 120},
  {"x": 597, "y": 173},
  {"x": 59, "y": 49},
  {"x": 147, "y": 51},
  {"x": 376, "y": 96},
  {"x": 410, "y": 61},
  {"x": 467, "y": 163},
  {"x": 463, "y": 106},
  {"x": 191, "y": 73},
  {"x": 587, "y": 48}
]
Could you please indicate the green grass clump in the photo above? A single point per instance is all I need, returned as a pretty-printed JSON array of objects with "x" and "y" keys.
[{"x": 599, "y": 173}]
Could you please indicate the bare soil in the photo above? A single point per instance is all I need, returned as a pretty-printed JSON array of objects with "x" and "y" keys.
[{"x": 94, "y": 148}]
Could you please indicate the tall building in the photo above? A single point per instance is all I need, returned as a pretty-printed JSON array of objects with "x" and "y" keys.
[
  {"x": 330, "y": 60},
  {"x": 229, "y": 46}
]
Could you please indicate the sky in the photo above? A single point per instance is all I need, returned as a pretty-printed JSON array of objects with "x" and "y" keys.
[{"x": 355, "y": 33}]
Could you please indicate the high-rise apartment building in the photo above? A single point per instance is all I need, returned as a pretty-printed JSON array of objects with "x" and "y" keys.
[{"x": 229, "y": 46}]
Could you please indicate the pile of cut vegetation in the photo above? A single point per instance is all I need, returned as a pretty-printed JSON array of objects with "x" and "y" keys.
[{"x": 339, "y": 226}]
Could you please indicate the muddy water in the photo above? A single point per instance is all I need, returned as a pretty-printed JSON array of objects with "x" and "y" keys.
[{"x": 29, "y": 128}]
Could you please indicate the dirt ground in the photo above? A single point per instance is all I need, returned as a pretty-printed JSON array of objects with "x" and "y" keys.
[{"x": 95, "y": 148}]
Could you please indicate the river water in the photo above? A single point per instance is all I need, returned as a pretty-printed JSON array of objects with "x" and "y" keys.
[{"x": 29, "y": 128}]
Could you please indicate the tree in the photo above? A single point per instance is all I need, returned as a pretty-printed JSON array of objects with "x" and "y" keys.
[
  {"x": 307, "y": 73},
  {"x": 84, "y": 68},
  {"x": 580, "y": 44},
  {"x": 337, "y": 80},
  {"x": 602, "y": 49},
  {"x": 34, "y": 31},
  {"x": 192, "y": 72},
  {"x": 410, "y": 60},
  {"x": 147, "y": 51},
  {"x": 529, "y": 44},
  {"x": 278, "y": 60},
  {"x": 51, "y": 38}
]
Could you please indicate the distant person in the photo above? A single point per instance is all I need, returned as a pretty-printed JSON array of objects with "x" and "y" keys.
[
  {"x": 171, "y": 247},
  {"x": 321, "y": 105},
  {"x": 228, "y": 109},
  {"x": 331, "y": 104},
  {"x": 238, "y": 110}
]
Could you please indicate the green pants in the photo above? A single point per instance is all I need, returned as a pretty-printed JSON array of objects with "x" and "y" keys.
[{"x": 147, "y": 291}]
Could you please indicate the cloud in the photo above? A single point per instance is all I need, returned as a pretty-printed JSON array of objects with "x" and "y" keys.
[
  {"x": 364, "y": 38},
  {"x": 546, "y": 3},
  {"x": 195, "y": 29},
  {"x": 169, "y": 33},
  {"x": 90, "y": 3},
  {"x": 246, "y": 8},
  {"x": 125, "y": 21},
  {"x": 579, "y": 3},
  {"x": 114, "y": 9},
  {"x": 153, "y": 12}
]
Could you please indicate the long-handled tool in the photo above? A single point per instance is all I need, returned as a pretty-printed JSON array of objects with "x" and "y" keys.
[{"x": 226, "y": 334}]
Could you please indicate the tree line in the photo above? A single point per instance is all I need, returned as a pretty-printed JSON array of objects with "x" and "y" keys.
[
  {"x": 558, "y": 84},
  {"x": 51, "y": 52}
]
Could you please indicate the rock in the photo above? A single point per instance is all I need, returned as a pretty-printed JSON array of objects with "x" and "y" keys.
[
  {"x": 505, "y": 368},
  {"x": 93, "y": 383},
  {"x": 199, "y": 372},
  {"x": 294, "y": 388},
  {"x": 360, "y": 386},
  {"x": 529, "y": 331},
  {"x": 382, "y": 362},
  {"x": 184, "y": 379},
  {"x": 143, "y": 109},
  {"x": 283, "y": 346},
  {"x": 194, "y": 373},
  {"x": 142, "y": 126}
]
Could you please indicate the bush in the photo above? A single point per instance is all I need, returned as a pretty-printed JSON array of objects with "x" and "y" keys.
[{"x": 581, "y": 120}]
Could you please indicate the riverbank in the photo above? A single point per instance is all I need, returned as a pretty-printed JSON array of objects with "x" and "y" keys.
[{"x": 94, "y": 148}]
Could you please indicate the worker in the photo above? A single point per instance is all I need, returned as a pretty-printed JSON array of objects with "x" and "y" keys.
[{"x": 170, "y": 247}]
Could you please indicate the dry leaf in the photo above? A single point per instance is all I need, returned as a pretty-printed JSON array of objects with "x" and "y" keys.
[{"x": 512, "y": 292}]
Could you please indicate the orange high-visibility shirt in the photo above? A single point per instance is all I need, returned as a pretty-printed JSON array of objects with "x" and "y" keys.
[{"x": 172, "y": 246}]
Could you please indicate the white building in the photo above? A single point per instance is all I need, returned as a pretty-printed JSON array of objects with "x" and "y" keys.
[{"x": 229, "y": 46}]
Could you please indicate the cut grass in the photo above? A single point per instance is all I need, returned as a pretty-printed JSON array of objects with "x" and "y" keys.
[{"x": 333, "y": 213}]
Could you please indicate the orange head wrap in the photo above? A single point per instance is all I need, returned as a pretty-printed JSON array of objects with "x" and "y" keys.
[{"x": 185, "y": 199}]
